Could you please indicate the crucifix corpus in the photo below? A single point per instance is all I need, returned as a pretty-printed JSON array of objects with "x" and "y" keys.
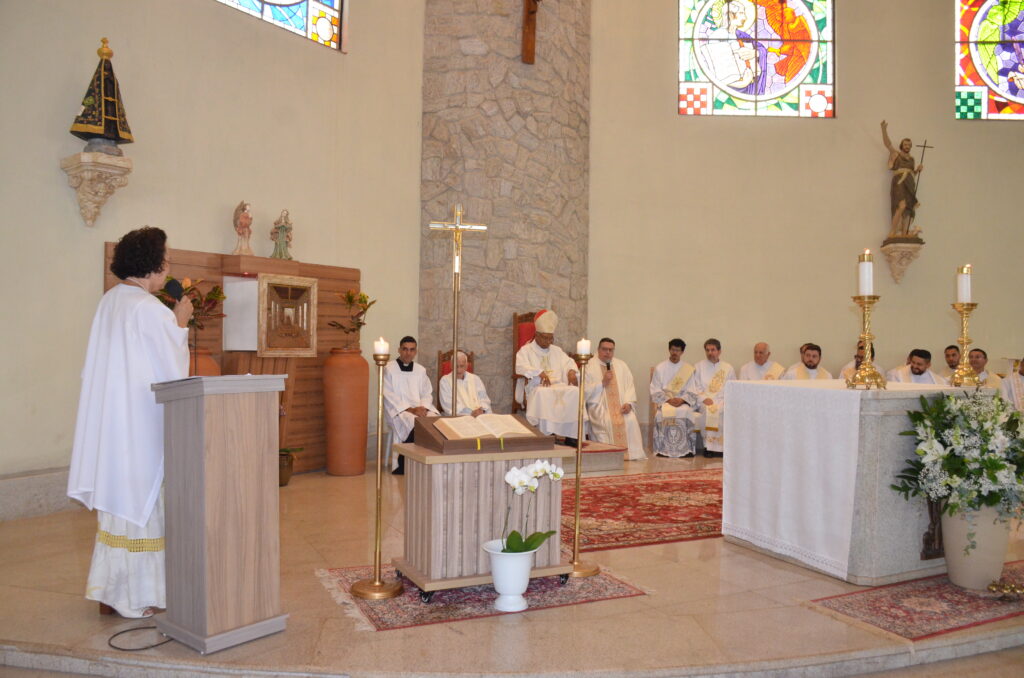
[
  {"x": 456, "y": 228},
  {"x": 530, "y": 9}
]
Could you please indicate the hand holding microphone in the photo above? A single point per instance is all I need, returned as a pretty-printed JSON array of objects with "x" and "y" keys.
[{"x": 183, "y": 308}]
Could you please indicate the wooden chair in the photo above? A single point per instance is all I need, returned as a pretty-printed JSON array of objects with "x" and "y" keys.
[
  {"x": 444, "y": 368},
  {"x": 523, "y": 331}
]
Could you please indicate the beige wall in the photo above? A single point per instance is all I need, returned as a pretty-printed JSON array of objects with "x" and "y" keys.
[
  {"x": 223, "y": 107},
  {"x": 749, "y": 230}
]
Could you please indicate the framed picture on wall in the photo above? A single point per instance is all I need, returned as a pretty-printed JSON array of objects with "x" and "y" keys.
[{"x": 287, "y": 316}]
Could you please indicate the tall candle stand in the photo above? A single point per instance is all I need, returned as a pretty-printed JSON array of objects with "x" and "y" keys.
[
  {"x": 579, "y": 568},
  {"x": 964, "y": 374},
  {"x": 377, "y": 588},
  {"x": 867, "y": 376}
]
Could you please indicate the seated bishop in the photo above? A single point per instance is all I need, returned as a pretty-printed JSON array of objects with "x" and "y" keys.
[
  {"x": 552, "y": 395},
  {"x": 706, "y": 390},
  {"x": 850, "y": 368},
  {"x": 1012, "y": 388},
  {"x": 407, "y": 395},
  {"x": 918, "y": 370},
  {"x": 472, "y": 396},
  {"x": 761, "y": 368},
  {"x": 611, "y": 403},
  {"x": 808, "y": 367},
  {"x": 674, "y": 415},
  {"x": 978, "y": 359}
]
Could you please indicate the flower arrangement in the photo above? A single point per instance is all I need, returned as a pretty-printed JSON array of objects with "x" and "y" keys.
[
  {"x": 204, "y": 306},
  {"x": 970, "y": 454},
  {"x": 358, "y": 303},
  {"x": 523, "y": 480}
]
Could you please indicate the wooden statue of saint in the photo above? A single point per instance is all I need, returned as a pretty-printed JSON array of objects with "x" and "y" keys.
[
  {"x": 903, "y": 187},
  {"x": 102, "y": 121}
]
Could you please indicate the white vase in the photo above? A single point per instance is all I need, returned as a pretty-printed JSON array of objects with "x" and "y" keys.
[
  {"x": 982, "y": 565},
  {"x": 511, "y": 575}
]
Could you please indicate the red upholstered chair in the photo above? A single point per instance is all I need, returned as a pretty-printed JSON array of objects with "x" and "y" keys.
[
  {"x": 523, "y": 331},
  {"x": 444, "y": 368}
]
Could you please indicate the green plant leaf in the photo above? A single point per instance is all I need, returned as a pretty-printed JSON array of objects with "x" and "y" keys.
[{"x": 536, "y": 539}]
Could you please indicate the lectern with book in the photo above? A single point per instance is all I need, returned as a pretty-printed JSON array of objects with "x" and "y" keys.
[
  {"x": 221, "y": 497},
  {"x": 456, "y": 498}
]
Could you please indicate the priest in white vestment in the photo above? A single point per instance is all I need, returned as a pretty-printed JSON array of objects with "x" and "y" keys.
[
  {"x": 809, "y": 365},
  {"x": 761, "y": 368},
  {"x": 552, "y": 380},
  {"x": 850, "y": 368},
  {"x": 918, "y": 370},
  {"x": 407, "y": 395},
  {"x": 978, "y": 359},
  {"x": 117, "y": 459},
  {"x": 472, "y": 396},
  {"x": 706, "y": 390},
  {"x": 611, "y": 403},
  {"x": 952, "y": 357},
  {"x": 674, "y": 416},
  {"x": 1012, "y": 388}
]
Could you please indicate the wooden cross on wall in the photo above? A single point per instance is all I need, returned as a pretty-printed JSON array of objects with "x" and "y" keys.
[{"x": 530, "y": 9}]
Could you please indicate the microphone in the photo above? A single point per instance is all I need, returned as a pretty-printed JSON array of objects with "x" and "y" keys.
[
  {"x": 609, "y": 366},
  {"x": 174, "y": 289}
]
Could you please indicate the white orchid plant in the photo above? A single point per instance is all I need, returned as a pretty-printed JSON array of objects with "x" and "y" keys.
[
  {"x": 970, "y": 453},
  {"x": 522, "y": 481}
]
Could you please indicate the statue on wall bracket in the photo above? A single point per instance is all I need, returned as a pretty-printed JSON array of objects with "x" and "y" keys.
[{"x": 904, "y": 241}]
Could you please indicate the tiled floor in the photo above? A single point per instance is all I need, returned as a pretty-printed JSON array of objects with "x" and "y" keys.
[{"x": 712, "y": 607}]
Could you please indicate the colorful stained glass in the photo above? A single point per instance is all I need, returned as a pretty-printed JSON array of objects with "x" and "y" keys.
[
  {"x": 756, "y": 57},
  {"x": 989, "y": 60},
  {"x": 318, "y": 21}
]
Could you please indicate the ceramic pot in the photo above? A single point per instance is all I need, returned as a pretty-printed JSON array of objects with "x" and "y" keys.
[
  {"x": 982, "y": 565},
  {"x": 201, "y": 363},
  {"x": 511, "y": 575},
  {"x": 346, "y": 391}
]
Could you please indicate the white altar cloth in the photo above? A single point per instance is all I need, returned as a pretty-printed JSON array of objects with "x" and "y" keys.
[
  {"x": 792, "y": 458},
  {"x": 560, "y": 404}
]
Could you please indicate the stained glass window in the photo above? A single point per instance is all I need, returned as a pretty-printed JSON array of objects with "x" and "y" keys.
[
  {"x": 989, "y": 60},
  {"x": 318, "y": 21},
  {"x": 756, "y": 57}
]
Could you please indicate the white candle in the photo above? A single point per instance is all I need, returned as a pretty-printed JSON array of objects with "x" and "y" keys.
[
  {"x": 583, "y": 347},
  {"x": 865, "y": 274},
  {"x": 963, "y": 284},
  {"x": 381, "y": 347}
]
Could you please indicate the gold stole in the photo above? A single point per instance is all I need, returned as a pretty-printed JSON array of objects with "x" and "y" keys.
[
  {"x": 803, "y": 373},
  {"x": 611, "y": 392},
  {"x": 1017, "y": 390},
  {"x": 774, "y": 372},
  {"x": 683, "y": 374},
  {"x": 712, "y": 417},
  {"x": 467, "y": 394}
]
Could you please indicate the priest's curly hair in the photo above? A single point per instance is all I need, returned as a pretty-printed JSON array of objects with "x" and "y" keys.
[{"x": 139, "y": 253}]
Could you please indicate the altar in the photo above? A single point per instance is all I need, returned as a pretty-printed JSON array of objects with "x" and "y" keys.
[{"x": 807, "y": 470}]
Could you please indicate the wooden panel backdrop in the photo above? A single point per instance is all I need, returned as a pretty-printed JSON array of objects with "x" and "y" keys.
[{"x": 303, "y": 401}]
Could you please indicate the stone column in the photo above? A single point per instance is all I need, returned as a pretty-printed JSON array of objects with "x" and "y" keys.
[{"x": 510, "y": 141}]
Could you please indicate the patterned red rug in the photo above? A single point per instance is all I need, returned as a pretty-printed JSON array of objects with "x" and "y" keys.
[
  {"x": 649, "y": 508},
  {"x": 923, "y": 608},
  {"x": 472, "y": 602}
]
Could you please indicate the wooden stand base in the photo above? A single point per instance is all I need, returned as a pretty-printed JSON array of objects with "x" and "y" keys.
[{"x": 219, "y": 641}]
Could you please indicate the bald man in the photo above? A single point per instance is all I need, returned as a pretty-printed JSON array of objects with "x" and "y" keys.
[{"x": 761, "y": 368}]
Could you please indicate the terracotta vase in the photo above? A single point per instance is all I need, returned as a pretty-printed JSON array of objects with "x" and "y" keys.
[
  {"x": 346, "y": 390},
  {"x": 981, "y": 565},
  {"x": 202, "y": 364}
]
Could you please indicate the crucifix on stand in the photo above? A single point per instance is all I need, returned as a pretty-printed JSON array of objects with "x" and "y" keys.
[{"x": 456, "y": 228}]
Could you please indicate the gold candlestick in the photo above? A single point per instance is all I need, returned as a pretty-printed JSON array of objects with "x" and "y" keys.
[
  {"x": 964, "y": 375},
  {"x": 579, "y": 568},
  {"x": 377, "y": 588},
  {"x": 867, "y": 376}
]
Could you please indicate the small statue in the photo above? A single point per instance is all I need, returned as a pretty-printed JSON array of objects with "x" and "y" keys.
[
  {"x": 281, "y": 234},
  {"x": 243, "y": 227},
  {"x": 102, "y": 121},
  {"x": 903, "y": 189}
]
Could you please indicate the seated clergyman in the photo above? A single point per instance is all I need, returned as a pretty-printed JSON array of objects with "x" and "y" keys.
[
  {"x": 809, "y": 365},
  {"x": 548, "y": 368},
  {"x": 1012, "y": 387},
  {"x": 611, "y": 401},
  {"x": 706, "y": 390},
  {"x": 761, "y": 368},
  {"x": 850, "y": 368},
  {"x": 472, "y": 395},
  {"x": 952, "y": 357},
  {"x": 978, "y": 359},
  {"x": 674, "y": 415},
  {"x": 918, "y": 370},
  {"x": 407, "y": 395}
]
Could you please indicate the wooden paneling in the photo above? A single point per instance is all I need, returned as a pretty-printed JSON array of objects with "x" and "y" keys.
[{"x": 303, "y": 400}]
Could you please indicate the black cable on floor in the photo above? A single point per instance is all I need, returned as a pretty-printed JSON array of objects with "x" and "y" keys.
[{"x": 110, "y": 641}]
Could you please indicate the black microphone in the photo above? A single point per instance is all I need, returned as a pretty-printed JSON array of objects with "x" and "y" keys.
[
  {"x": 174, "y": 289},
  {"x": 609, "y": 366}
]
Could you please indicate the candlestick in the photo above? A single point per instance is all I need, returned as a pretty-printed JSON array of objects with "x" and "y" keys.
[
  {"x": 381, "y": 347},
  {"x": 866, "y": 376},
  {"x": 964, "y": 374},
  {"x": 583, "y": 347},
  {"x": 963, "y": 284},
  {"x": 579, "y": 568},
  {"x": 865, "y": 274}
]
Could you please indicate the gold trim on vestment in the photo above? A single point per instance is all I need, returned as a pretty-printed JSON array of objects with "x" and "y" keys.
[{"x": 119, "y": 541}]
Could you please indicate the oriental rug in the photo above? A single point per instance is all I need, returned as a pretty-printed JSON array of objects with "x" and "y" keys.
[
  {"x": 452, "y": 605},
  {"x": 643, "y": 509},
  {"x": 923, "y": 608}
]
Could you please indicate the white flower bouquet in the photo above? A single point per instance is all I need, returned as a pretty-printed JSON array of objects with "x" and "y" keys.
[{"x": 521, "y": 481}]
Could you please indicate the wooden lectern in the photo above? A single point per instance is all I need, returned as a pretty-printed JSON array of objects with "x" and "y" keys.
[{"x": 221, "y": 510}]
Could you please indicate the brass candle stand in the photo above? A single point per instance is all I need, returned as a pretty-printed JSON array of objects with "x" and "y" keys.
[
  {"x": 579, "y": 568},
  {"x": 866, "y": 376},
  {"x": 964, "y": 374},
  {"x": 377, "y": 588}
]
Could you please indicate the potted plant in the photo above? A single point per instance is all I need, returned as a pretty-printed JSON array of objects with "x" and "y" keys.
[
  {"x": 286, "y": 464},
  {"x": 205, "y": 307},
  {"x": 970, "y": 460},
  {"x": 512, "y": 555}
]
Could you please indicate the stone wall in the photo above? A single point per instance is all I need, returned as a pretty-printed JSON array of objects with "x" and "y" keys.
[{"x": 510, "y": 141}]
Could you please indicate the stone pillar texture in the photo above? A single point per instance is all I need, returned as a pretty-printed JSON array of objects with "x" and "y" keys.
[{"x": 510, "y": 141}]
